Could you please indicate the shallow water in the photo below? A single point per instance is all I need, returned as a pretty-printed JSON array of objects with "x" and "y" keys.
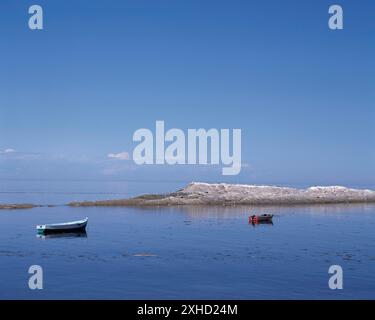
[{"x": 191, "y": 253}]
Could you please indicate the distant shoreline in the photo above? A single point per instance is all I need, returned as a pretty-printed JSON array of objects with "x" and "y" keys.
[
  {"x": 222, "y": 194},
  {"x": 18, "y": 206}
]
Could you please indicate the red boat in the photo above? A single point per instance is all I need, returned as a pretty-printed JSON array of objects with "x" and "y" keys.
[{"x": 263, "y": 218}]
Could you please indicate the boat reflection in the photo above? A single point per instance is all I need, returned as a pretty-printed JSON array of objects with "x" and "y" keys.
[
  {"x": 263, "y": 223},
  {"x": 81, "y": 234}
]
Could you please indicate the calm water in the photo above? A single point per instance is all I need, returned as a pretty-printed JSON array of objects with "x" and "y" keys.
[{"x": 178, "y": 253}]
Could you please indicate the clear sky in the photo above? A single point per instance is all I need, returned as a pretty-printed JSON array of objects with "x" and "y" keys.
[{"x": 303, "y": 95}]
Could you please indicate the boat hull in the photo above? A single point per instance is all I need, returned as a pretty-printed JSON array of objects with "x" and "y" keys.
[
  {"x": 77, "y": 226},
  {"x": 261, "y": 219},
  {"x": 69, "y": 230}
]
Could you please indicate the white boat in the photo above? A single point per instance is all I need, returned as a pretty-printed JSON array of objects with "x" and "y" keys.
[{"x": 63, "y": 227}]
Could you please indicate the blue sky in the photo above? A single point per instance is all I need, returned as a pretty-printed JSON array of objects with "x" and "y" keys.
[{"x": 76, "y": 91}]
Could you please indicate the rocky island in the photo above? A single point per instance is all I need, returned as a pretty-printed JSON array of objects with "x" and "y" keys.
[{"x": 197, "y": 193}]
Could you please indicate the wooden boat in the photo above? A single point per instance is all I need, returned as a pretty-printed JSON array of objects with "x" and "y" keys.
[
  {"x": 263, "y": 218},
  {"x": 74, "y": 226}
]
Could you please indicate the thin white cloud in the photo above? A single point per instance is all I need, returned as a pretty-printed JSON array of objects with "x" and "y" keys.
[
  {"x": 12, "y": 154},
  {"x": 120, "y": 156},
  {"x": 8, "y": 150}
]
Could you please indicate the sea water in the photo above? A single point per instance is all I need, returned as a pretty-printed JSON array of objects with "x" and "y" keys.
[{"x": 181, "y": 252}]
